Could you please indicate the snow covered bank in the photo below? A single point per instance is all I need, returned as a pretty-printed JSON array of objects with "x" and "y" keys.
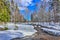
[
  {"x": 51, "y": 31},
  {"x": 25, "y": 27},
  {"x": 10, "y": 34},
  {"x": 23, "y": 30}
]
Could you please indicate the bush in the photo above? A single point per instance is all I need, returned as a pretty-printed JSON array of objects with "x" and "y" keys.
[{"x": 5, "y": 28}]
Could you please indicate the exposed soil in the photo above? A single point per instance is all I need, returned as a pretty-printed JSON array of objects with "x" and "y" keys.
[{"x": 44, "y": 36}]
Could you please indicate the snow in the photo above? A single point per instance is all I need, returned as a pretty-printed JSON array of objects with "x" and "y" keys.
[
  {"x": 26, "y": 33},
  {"x": 51, "y": 31},
  {"x": 26, "y": 27},
  {"x": 9, "y": 34},
  {"x": 11, "y": 26},
  {"x": 23, "y": 30},
  {"x": 52, "y": 26},
  {"x": 23, "y": 27},
  {"x": 1, "y": 26},
  {"x": 27, "y": 30}
]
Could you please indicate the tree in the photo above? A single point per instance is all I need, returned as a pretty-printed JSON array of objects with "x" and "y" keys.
[
  {"x": 4, "y": 11},
  {"x": 15, "y": 13}
]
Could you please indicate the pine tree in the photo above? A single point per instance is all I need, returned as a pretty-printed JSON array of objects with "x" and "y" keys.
[{"x": 4, "y": 11}]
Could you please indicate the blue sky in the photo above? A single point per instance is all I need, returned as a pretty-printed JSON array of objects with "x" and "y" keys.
[{"x": 27, "y": 4}]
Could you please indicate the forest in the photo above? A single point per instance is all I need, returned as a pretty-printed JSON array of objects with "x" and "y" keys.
[{"x": 29, "y": 19}]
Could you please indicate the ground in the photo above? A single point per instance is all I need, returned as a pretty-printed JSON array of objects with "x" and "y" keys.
[
  {"x": 44, "y": 36},
  {"x": 39, "y": 36},
  {"x": 26, "y": 30}
]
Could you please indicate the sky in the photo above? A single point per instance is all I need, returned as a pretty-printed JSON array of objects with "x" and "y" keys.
[{"x": 30, "y": 5}]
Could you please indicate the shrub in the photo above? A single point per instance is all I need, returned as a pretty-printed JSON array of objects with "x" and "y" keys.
[{"x": 5, "y": 28}]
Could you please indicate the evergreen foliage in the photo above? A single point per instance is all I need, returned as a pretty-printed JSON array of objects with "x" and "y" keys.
[{"x": 4, "y": 11}]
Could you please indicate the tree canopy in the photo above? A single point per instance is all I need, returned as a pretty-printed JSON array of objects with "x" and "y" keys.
[{"x": 4, "y": 11}]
